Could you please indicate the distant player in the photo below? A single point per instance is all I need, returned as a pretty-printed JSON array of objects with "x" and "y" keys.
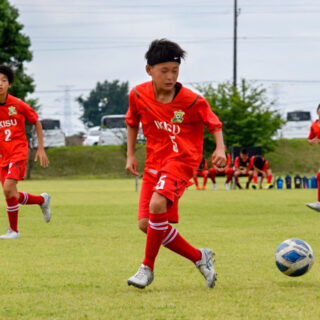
[
  {"x": 14, "y": 153},
  {"x": 260, "y": 168},
  {"x": 313, "y": 139},
  {"x": 173, "y": 119},
  {"x": 221, "y": 171},
  {"x": 241, "y": 167},
  {"x": 201, "y": 171}
]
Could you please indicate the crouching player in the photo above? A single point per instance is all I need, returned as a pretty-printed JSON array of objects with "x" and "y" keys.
[
  {"x": 173, "y": 119},
  {"x": 260, "y": 168},
  {"x": 14, "y": 153},
  {"x": 314, "y": 139},
  {"x": 201, "y": 171},
  {"x": 221, "y": 171},
  {"x": 241, "y": 168}
]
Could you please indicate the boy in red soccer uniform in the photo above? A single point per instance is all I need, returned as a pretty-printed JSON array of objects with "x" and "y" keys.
[
  {"x": 221, "y": 171},
  {"x": 259, "y": 166},
  {"x": 173, "y": 119},
  {"x": 241, "y": 167},
  {"x": 313, "y": 139},
  {"x": 14, "y": 153},
  {"x": 201, "y": 171}
]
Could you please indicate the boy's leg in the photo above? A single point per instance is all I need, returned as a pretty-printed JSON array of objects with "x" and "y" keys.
[
  {"x": 10, "y": 192},
  {"x": 316, "y": 205},
  {"x": 205, "y": 178},
  {"x": 27, "y": 198}
]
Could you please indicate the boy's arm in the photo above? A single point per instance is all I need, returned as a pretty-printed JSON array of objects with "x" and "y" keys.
[
  {"x": 132, "y": 163},
  {"x": 219, "y": 154},
  {"x": 41, "y": 154}
]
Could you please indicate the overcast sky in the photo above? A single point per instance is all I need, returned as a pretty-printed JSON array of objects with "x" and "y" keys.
[{"x": 77, "y": 43}]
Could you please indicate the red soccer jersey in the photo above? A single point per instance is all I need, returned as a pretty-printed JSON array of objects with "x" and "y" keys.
[
  {"x": 314, "y": 130},
  {"x": 265, "y": 165},
  {"x": 174, "y": 131},
  {"x": 13, "y": 140},
  {"x": 241, "y": 164}
]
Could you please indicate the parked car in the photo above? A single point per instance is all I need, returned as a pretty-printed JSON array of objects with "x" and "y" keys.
[
  {"x": 297, "y": 125},
  {"x": 113, "y": 130},
  {"x": 53, "y": 136},
  {"x": 92, "y": 137}
]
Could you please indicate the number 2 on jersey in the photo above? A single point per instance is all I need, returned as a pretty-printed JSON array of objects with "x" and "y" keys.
[
  {"x": 7, "y": 132},
  {"x": 174, "y": 144}
]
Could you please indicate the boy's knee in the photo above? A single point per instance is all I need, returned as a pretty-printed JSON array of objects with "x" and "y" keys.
[{"x": 158, "y": 204}]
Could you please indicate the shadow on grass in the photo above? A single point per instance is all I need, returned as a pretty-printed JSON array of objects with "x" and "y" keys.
[{"x": 298, "y": 284}]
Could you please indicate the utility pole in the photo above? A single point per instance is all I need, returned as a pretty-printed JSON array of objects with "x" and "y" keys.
[
  {"x": 67, "y": 109},
  {"x": 235, "y": 25}
]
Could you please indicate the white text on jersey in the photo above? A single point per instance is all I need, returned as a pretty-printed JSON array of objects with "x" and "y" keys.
[
  {"x": 172, "y": 128},
  {"x": 8, "y": 123}
]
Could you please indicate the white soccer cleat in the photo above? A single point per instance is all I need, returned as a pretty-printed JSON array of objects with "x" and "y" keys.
[
  {"x": 10, "y": 234},
  {"x": 205, "y": 266},
  {"x": 45, "y": 207},
  {"x": 215, "y": 187},
  {"x": 227, "y": 186},
  {"x": 142, "y": 278},
  {"x": 314, "y": 206}
]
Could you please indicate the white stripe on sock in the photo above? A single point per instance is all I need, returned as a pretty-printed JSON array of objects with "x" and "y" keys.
[
  {"x": 172, "y": 238},
  {"x": 158, "y": 224}
]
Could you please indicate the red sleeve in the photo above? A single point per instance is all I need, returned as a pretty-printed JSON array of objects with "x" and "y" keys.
[
  {"x": 265, "y": 167},
  {"x": 132, "y": 115},
  {"x": 30, "y": 115},
  {"x": 236, "y": 162},
  {"x": 311, "y": 134},
  {"x": 251, "y": 163},
  {"x": 210, "y": 119}
]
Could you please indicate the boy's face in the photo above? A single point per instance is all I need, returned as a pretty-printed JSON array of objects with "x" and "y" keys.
[
  {"x": 4, "y": 84},
  {"x": 243, "y": 156},
  {"x": 164, "y": 75}
]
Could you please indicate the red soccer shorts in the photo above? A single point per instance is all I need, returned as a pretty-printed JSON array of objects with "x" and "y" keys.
[
  {"x": 165, "y": 184},
  {"x": 15, "y": 170},
  {"x": 201, "y": 173}
]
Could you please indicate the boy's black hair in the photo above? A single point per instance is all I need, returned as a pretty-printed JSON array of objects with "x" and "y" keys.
[
  {"x": 8, "y": 72},
  {"x": 318, "y": 108},
  {"x": 258, "y": 162},
  {"x": 244, "y": 151},
  {"x": 164, "y": 50}
]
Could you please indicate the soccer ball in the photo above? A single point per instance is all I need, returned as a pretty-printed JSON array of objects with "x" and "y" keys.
[{"x": 294, "y": 257}]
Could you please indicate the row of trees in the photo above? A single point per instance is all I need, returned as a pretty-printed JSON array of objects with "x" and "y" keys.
[{"x": 246, "y": 112}]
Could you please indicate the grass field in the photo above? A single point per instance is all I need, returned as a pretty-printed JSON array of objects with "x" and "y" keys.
[{"x": 76, "y": 267}]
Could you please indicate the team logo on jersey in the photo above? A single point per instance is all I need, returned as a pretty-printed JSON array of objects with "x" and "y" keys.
[
  {"x": 12, "y": 110},
  {"x": 178, "y": 117}
]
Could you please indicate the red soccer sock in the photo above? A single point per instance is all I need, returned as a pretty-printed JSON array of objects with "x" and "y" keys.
[
  {"x": 27, "y": 198},
  {"x": 255, "y": 179},
  {"x": 269, "y": 178},
  {"x": 158, "y": 225},
  {"x": 196, "y": 182},
  {"x": 229, "y": 174},
  {"x": 12, "y": 210},
  {"x": 177, "y": 244},
  {"x": 318, "y": 180},
  {"x": 205, "y": 179}
]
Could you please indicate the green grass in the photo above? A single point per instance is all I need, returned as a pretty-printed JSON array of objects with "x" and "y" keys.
[{"x": 76, "y": 267}]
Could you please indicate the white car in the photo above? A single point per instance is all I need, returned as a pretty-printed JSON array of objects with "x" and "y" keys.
[
  {"x": 53, "y": 136},
  {"x": 113, "y": 130},
  {"x": 92, "y": 137},
  {"x": 297, "y": 125}
]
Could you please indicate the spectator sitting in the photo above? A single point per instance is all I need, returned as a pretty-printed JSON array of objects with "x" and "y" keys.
[
  {"x": 259, "y": 165},
  {"x": 201, "y": 171},
  {"x": 241, "y": 167}
]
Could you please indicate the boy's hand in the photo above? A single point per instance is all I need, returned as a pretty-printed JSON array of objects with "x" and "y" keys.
[
  {"x": 41, "y": 154},
  {"x": 132, "y": 165},
  {"x": 219, "y": 156}
]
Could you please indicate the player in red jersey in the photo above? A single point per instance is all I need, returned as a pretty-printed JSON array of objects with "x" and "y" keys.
[
  {"x": 201, "y": 171},
  {"x": 259, "y": 166},
  {"x": 313, "y": 139},
  {"x": 241, "y": 167},
  {"x": 173, "y": 119},
  {"x": 14, "y": 153},
  {"x": 221, "y": 171}
]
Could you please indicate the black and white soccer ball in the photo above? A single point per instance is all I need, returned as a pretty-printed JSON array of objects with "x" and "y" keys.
[{"x": 294, "y": 257}]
